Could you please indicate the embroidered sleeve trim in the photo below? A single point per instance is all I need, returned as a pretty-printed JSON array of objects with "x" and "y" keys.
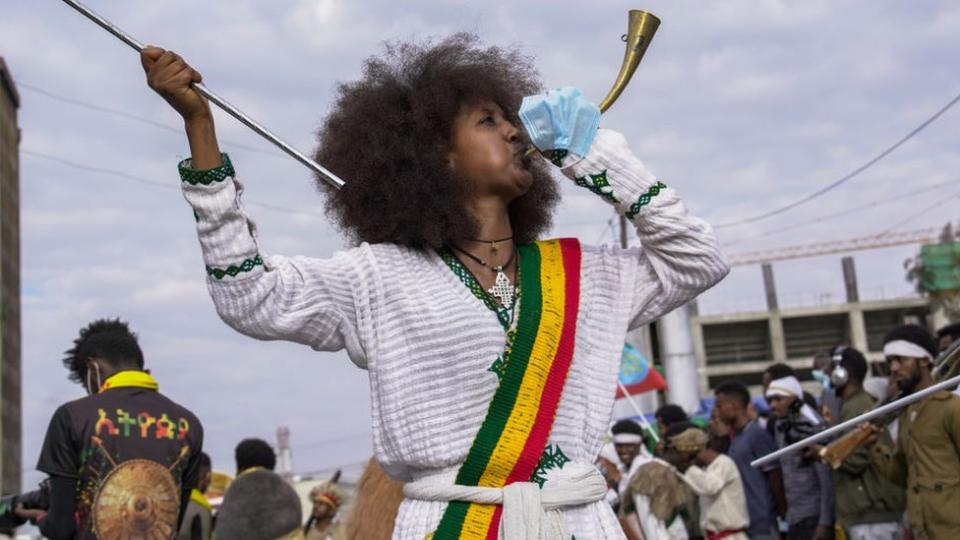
[
  {"x": 556, "y": 157},
  {"x": 644, "y": 200},
  {"x": 598, "y": 184},
  {"x": 206, "y": 176},
  {"x": 234, "y": 270}
]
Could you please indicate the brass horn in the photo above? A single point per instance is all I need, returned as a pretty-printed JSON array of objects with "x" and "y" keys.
[
  {"x": 640, "y": 31},
  {"x": 641, "y": 27}
]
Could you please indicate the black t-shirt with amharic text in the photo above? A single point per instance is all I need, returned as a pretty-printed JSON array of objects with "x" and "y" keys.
[{"x": 132, "y": 451}]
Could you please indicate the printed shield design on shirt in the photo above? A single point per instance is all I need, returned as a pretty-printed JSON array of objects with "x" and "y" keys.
[{"x": 138, "y": 499}]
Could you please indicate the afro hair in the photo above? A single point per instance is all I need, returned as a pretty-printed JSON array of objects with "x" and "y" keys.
[{"x": 388, "y": 135}]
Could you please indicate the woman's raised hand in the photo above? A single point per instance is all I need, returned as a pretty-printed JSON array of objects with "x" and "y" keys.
[{"x": 172, "y": 78}]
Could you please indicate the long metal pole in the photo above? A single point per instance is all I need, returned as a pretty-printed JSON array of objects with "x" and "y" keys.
[
  {"x": 879, "y": 411},
  {"x": 325, "y": 174}
]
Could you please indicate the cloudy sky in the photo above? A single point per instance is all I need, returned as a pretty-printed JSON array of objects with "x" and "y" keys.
[{"x": 742, "y": 106}]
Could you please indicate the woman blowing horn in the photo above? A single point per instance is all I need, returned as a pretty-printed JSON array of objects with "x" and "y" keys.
[{"x": 492, "y": 355}]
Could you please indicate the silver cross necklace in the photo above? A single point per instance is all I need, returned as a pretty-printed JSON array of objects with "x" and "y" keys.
[{"x": 502, "y": 289}]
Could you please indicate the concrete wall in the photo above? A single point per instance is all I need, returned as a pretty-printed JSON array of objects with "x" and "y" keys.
[
  {"x": 10, "y": 428},
  {"x": 740, "y": 346}
]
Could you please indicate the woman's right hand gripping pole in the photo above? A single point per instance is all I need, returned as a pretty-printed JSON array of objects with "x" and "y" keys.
[{"x": 172, "y": 78}]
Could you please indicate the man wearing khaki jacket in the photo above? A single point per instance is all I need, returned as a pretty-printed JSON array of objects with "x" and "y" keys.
[{"x": 926, "y": 457}]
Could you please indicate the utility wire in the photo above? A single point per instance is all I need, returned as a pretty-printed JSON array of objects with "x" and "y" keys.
[
  {"x": 914, "y": 216},
  {"x": 843, "y": 213},
  {"x": 333, "y": 440},
  {"x": 846, "y": 178},
  {"x": 332, "y": 468},
  {"x": 606, "y": 228},
  {"x": 158, "y": 184},
  {"x": 135, "y": 118}
]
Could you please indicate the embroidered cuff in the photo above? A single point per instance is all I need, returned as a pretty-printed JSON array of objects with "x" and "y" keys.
[
  {"x": 598, "y": 184},
  {"x": 644, "y": 200},
  {"x": 207, "y": 176},
  {"x": 233, "y": 270},
  {"x": 564, "y": 159},
  {"x": 556, "y": 157}
]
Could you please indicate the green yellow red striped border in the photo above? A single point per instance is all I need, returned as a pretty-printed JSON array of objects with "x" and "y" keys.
[{"x": 514, "y": 433}]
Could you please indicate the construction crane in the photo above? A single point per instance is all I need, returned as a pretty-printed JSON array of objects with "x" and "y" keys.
[{"x": 882, "y": 240}]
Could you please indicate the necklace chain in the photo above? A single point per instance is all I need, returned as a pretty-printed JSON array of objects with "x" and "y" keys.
[
  {"x": 504, "y": 315},
  {"x": 491, "y": 241},
  {"x": 503, "y": 289},
  {"x": 483, "y": 263},
  {"x": 492, "y": 244}
]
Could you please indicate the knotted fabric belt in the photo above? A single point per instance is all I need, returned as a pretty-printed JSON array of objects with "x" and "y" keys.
[
  {"x": 723, "y": 534},
  {"x": 529, "y": 512}
]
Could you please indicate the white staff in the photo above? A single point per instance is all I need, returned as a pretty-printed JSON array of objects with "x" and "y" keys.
[{"x": 636, "y": 408}]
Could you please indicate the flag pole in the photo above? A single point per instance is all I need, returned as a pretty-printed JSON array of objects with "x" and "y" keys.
[
  {"x": 324, "y": 174},
  {"x": 636, "y": 408}
]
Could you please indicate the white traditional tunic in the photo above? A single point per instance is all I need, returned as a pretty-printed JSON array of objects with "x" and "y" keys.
[
  {"x": 428, "y": 343},
  {"x": 723, "y": 504}
]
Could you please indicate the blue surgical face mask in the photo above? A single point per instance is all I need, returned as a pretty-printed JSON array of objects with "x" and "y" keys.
[
  {"x": 821, "y": 378},
  {"x": 561, "y": 119}
]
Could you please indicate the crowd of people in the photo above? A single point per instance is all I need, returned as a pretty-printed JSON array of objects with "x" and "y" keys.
[
  {"x": 883, "y": 482},
  {"x": 679, "y": 480}
]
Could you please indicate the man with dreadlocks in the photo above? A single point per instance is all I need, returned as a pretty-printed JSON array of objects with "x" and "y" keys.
[
  {"x": 123, "y": 460},
  {"x": 492, "y": 356}
]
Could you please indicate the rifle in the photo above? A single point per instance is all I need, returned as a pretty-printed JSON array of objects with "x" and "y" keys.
[
  {"x": 837, "y": 451},
  {"x": 946, "y": 376}
]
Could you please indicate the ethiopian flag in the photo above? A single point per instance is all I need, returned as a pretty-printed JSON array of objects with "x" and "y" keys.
[{"x": 637, "y": 374}]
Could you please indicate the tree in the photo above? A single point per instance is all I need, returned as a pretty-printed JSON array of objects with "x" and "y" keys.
[{"x": 935, "y": 272}]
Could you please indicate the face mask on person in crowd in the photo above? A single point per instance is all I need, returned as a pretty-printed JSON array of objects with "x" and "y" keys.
[{"x": 821, "y": 378}]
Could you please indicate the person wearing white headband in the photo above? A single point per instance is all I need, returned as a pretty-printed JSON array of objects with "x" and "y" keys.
[
  {"x": 909, "y": 351},
  {"x": 808, "y": 485},
  {"x": 628, "y": 440},
  {"x": 926, "y": 456}
]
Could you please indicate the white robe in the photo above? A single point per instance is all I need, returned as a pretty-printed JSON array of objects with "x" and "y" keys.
[
  {"x": 723, "y": 503},
  {"x": 428, "y": 343}
]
